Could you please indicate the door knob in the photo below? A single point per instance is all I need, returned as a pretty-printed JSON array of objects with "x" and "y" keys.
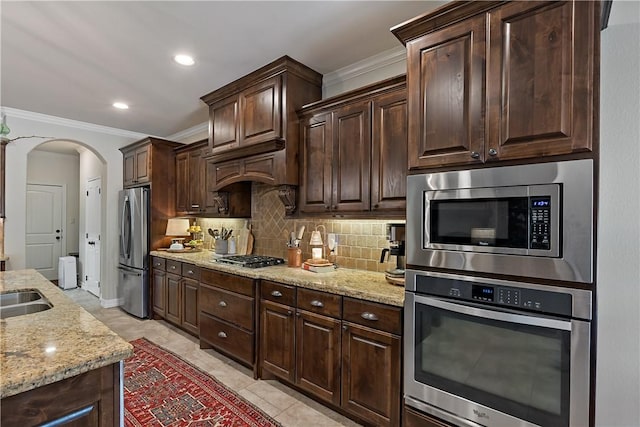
[
  {"x": 57, "y": 231},
  {"x": 57, "y": 237}
]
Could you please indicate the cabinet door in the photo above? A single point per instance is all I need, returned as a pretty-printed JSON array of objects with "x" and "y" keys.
[
  {"x": 159, "y": 283},
  {"x": 196, "y": 182},
  {"x": 351, "y": 157},
  {"x": 182, "y": 182},
  {"x": 277, "y": 339},
  {"x": 318, "y": 355},
  {"x": 174, "y": 299},
  {"x": 389, "y": 162},
  {"x": 261, "y": 115},
  {"x": 224, "y": 124},
  {"x": 129, "y": 173},
  {"x": 375, "y": 396},
  {"x": 445, "y": 87},
  {"x": 540, "y": 80},
  {"x": 143, "y": 165},
  {"x": 190, "y": 312},
  {"x": 315, "y": 166}
]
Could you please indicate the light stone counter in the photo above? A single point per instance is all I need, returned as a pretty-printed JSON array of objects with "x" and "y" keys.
[
  {"x": 366, "y": 285},
  {"x": 52, "y": 345}
]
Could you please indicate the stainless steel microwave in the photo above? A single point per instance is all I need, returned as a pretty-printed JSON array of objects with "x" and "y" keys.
[{"x": 531, "y": 220}]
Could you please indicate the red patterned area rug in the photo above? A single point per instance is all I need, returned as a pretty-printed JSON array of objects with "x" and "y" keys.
[{"x": 161, "y": 389}]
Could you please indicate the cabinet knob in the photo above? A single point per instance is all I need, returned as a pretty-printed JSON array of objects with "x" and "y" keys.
[
  {"x": 173, "y": 267},
  {"x": 222, "y": 304},
  {"x": 345, "y": 327},
  {"x": 276, "y": 294},
  {"x": 475, "y": 155},
  {"x": 222, "y": 334},
  {"x": 317, "y": 303},
  {"x": 376, "y": 206},
  {"x": 297, "y": 313},
  {"x": 289, "y": 312},
  {"x": 190, "y": 272},
  {"x": 326, "y": 207},
  {"x": 493, "y": 151},
  {"x": 335, "y": 207},
  {"x": 369, "y": 316}
]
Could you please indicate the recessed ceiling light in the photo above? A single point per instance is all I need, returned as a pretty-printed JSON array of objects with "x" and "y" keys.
[
  {"x": 184, "y": 60},
  {"x": 121, "y": 105}
]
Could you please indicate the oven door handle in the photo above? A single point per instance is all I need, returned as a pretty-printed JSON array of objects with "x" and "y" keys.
[{"x": 503, "y": 316}]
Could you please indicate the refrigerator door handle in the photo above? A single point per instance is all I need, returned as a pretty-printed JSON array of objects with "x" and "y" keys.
[
  {"x": 125, "y": 231},
  {"x": 129, "y": 272}
]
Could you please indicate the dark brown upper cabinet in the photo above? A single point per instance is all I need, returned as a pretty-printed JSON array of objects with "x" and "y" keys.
[
  {"x": 492, "y": 81},
  {"x": 255, "y": 116},
  {"x": 354, "y": 151},
  {"x": 195, "y": 186}
]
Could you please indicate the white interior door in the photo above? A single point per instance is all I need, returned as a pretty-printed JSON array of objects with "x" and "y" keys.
[
  {"x": 92, "y": 237},
  {"x": 45, "y": 236}
]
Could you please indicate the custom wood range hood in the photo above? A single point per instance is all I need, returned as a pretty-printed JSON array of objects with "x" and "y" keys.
[{"x": 254, "y": 130}]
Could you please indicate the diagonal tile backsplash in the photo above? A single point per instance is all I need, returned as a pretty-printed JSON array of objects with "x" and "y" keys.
[{"x": 360, "y": 242}]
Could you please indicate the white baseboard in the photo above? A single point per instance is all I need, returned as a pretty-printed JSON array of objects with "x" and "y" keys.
[{"x": 110, "y": 303}]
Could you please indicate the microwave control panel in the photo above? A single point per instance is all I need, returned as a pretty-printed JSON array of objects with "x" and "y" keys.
[{"x": 540, "y": 223}]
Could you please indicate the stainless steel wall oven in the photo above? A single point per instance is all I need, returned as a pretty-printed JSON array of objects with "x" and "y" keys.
[
  {"x": 488, "y": 352},
  {"x": 531, "y": 220}
]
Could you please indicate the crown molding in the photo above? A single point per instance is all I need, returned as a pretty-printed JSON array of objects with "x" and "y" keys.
[
  {"x": 189, "y": 132},
  {"x": 53, "y": 120},
  {"x": 380, "y": 60}
]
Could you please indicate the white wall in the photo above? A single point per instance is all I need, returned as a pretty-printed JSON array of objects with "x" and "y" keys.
[
  {"x": 103, "y": 141},
  {"x": 618, "y": 286},
  {"x": 44, "y": 167}
]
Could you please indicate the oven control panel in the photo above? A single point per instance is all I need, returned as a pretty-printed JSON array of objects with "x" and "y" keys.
[
  {"x": 540, "y": 223},
  {"x": 497, "y": 295}
]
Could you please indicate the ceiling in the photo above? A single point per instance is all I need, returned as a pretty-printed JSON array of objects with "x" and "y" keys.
[{"x": 73, "y": 59}]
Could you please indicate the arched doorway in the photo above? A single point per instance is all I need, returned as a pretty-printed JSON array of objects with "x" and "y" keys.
[{"x": 75, "y": 167}]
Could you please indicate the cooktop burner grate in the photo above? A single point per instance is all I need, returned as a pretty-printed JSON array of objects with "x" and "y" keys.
[{"x": 251, "y": 261}]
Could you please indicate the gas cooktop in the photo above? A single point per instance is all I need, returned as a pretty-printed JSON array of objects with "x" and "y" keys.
[{"x": 251, "y": 261}]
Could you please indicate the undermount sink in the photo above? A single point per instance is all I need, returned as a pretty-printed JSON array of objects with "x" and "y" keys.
[
  {"x": 19, "y": 297},
  {"x": 18, "y": 303}
]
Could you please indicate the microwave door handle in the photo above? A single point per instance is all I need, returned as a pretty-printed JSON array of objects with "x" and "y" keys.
[{"x": 495, "y": 315}]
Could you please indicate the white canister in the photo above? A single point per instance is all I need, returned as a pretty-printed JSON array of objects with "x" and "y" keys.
[{"x": 232, "y": 245}]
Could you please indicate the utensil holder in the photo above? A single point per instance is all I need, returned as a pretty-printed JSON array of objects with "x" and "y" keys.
[
  {"x": 294, "y": 257},
  {"x": 222, "y": 246}
]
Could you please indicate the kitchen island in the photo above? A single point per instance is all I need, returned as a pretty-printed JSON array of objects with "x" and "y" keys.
[{"x": 61, "y": 363}]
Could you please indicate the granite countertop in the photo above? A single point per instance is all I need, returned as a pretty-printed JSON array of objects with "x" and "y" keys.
[
  {"x": 52, "y": 345},
  {"x": 366, "y": 285}
]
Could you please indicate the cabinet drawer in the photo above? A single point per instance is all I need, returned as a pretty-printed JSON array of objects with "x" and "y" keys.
[
  {"x": 158, "y": 263},
  {"x": 377, "y": 316},
  {"x": 226, "y": 337},
  {"x": 319, "y": 302},
  {"x": 174, "y": 267},
  {"x": 231, "y": 282},
  {"x": 191, "y": 271},
  {"x": 278, "y": 292},
  {"x": 229, "y": 306}
]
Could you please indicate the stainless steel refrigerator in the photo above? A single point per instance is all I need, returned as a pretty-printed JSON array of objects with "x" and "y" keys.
[{"x": 133, "y": 277}]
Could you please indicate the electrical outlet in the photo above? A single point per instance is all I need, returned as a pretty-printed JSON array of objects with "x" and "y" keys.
[{"x": 332, "y": 243}]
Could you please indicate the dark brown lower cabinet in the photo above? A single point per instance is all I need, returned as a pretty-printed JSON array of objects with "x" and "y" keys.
[
  {"x": 159, "y": 292},
  {"x": 318, "y": 355},
  {"x": 413, "y": 418},
  {"x": 86, "y": 400},
  {"x": 344, "y": 351},
  {"x": 190, "y": 315},
  {"x": 174, "y": 304},
  {"x": 175, "y": 290},
  {"x": 278, "y": 339},
  {"x": 227, "y": 315},
  {"x": 371, "y": 373}
]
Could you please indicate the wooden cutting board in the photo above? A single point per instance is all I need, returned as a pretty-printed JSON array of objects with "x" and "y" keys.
[
  {"x": 243, "y": 235},
  {"x": 250, "y": 240}
]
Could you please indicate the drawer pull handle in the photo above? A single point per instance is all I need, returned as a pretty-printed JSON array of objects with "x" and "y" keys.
[
  {"x": 222, "y": 304},
  {"x": 276, "y": 293},
  {"x": 222, "y": 334},
  {"x": 317, "y": 303},
  {"x": 369, "y": 316}
]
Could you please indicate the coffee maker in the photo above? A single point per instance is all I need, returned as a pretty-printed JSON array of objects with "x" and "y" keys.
[{"x": 396, "y": 238}]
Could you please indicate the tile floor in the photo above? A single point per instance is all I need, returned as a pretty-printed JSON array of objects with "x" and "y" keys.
[{"x": 287, "y": 406}]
